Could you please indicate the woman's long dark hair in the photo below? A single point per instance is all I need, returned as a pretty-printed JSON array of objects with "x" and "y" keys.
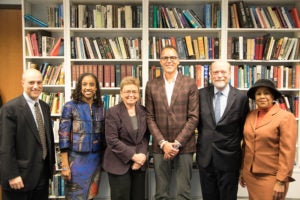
[{"x": 77, "y": 95}]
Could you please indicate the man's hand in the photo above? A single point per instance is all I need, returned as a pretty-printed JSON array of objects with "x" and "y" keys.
[
  {"x": 16, "y": 183},
  {"x": 170, "y": 150}
]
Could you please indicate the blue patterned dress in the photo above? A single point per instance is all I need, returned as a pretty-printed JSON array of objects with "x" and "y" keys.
[{"x": 81, "y": 133}]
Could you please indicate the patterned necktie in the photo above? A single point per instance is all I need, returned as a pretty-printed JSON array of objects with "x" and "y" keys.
[
  {"x": 41, "y": 128},
  {"x": 218, "y": 106}
]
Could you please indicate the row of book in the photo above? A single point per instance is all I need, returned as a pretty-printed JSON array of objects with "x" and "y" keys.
[
  {"x": 166, "y": 17},
  {"x": 265, "y": 47},
  {"x": 41, "y": 43},
  {"x": 198, "y": 72},
  {"x": 106, "y": 16},
  {"x": 201, "y": 47},
  {"x": 57, "y": 187},
  {"x": 52, "y": 74},
  {"x": 55, "y": 17},
  {"x": 110, "y": 100},
  {"x": 284, "y": 77},
  {"x": 242, "y": 76},
  {"x": 244, "y": 16},
  {"x": 105, "y": 48},
  {"x": 108, "y": 75},
  {"x": 55, "y": 100}
]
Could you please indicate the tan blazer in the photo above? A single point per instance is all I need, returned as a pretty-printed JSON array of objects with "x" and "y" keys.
[{"x": 270, "y": 148}]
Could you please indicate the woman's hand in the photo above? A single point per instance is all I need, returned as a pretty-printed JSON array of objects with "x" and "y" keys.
[
  {"x": 66, "y": 173},
  {"x": 136, "y": 166},
  {"x": 278, "y": 191},
  {"x": 139, "y": 158},
  {"x": 242, "y": 181}
]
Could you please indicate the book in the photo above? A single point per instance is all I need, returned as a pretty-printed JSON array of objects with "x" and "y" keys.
[
  {"x": 57, "y": 49},
  {"x": 35, "y": 20},
  {"x": 190, "y": 19},
  {"x": 295, "y": 17},
  {"x": 47, "y": 45},
  {"x": 189, "y": 46}
]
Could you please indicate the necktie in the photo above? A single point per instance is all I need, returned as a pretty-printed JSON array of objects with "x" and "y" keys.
[
  {"x": 41, "y": 128},
  {"x": 218, "y": 106}
]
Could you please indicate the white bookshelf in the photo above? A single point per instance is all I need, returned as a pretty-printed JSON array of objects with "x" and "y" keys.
[{"x": 38, "y": 8}]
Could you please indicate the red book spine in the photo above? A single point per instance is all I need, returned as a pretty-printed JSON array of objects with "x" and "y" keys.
[
  {"x": 296, "y": 106},
  {"x": 297, "y": 79},
  {"x": 295, "y": 16}
]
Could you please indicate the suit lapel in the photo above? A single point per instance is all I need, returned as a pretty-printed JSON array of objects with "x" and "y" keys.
[
  {"x": 30, "y": 120},
  {"x": 141, "y": 121},
  {"x": 46, "y": 121},
  {"x": 162, "y": 91},
  {"x": 126, "y": 122},
  {"x": 230, "y": 101},
  {"x": 177, "y": 88},
  {"x": 209, "y": 100},
  {"x": 267, "y": 118}
]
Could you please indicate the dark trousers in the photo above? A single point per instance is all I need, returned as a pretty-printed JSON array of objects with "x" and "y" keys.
[
  {"x": 40, "y": 192},
  {"x": 129, "y": 186},
  {"x": 181, "y": 168},
  {"x": 217, "y": 184},
  {"x": 36, "y": 194}
]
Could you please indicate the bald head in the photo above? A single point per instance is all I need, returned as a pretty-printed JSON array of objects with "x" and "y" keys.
[{"x": 32, "y": 83}]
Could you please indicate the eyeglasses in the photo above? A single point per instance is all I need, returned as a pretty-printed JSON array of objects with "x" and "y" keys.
[
  {"x": 215, "y": 73},
  {"x": 128, "y": 92},
  {"x": 166, "y": 58}
]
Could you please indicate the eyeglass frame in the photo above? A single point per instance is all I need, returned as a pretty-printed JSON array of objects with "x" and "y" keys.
[{"x": 167, "y": 58}]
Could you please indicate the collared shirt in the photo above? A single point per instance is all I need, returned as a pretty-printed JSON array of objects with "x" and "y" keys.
[
  {"x": 169, "y": 85},
  {"x": 224, "y": 97},
  {"x": 31, "y": 103}
]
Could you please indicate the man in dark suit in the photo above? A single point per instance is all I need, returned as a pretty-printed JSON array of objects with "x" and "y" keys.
[
  {"x": 172, "y": 117},
  {"x": 223, "y": 110},
  {"x": 27, "y": 156}
]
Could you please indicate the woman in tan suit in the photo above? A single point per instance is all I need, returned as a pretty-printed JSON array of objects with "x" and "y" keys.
[{"x": 269, "y": 145}]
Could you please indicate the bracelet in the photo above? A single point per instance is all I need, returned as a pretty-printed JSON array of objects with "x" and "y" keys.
[
  {"x": 65, "y": 168},
  {"x": 280, "y": 182}
]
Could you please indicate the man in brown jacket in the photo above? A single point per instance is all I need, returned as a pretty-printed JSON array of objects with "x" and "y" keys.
[{"x": 172, "y": 116}]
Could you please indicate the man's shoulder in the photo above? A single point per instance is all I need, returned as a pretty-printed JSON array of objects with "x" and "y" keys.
[
  {"x": 15, "y": 101},
  {"x": 241, "y": 93}
]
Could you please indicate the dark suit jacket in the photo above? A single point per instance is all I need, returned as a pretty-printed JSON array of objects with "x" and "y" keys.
[
  {"x": 20, "y": 145},
  {"x": 122, "y": 141},
  {"x": 177, "y": 121},
  {"x": 221, "y": 143}
]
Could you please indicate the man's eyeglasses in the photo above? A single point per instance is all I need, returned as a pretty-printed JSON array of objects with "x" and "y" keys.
[
  {"x": 166, "y": 58},
  {"x": 128, "y": 92}
]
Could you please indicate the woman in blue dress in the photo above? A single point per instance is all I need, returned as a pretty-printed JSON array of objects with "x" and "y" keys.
[{"x": 81, "y": 139}]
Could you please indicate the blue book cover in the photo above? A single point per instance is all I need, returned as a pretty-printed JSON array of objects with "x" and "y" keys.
[{"x": 35, "y": 20}]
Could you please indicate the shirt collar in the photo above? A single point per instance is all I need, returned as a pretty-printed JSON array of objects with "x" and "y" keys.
[
  {"x": 28, "y": 99},
  {"x": 224, "y": 92},
  {"x": 173, "y": 79}
]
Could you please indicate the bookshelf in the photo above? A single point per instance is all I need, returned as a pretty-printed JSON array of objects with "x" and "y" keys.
[{"x": 146, "y": 32}]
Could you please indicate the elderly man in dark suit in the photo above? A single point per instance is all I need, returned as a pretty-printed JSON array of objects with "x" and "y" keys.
[
  {"x": 223, "y": 110},
  {"x": 26, "y": 143},
  {"x": 172, "y": 116}
]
